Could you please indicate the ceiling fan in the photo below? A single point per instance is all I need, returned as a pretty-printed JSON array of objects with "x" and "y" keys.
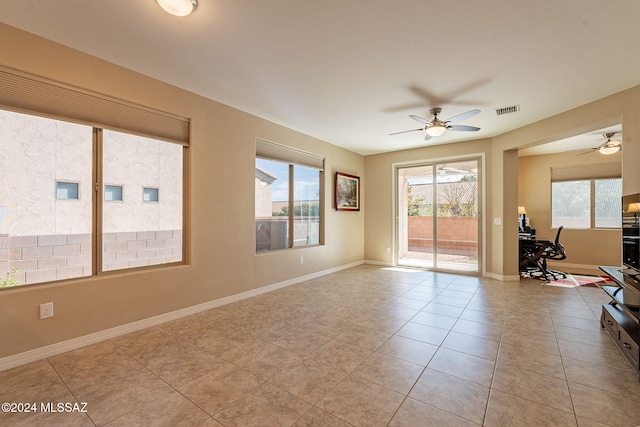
[
  {"x": 607, "y": 147},
  {"x": 437, "y": 127}
]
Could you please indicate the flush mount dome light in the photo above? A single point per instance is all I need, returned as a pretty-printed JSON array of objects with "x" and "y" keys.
[{"x": 178, "y": 7}]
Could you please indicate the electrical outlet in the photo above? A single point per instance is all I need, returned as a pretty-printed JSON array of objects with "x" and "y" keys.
[
  {"x": 388, "y": 249},
  {"x": 46, "y": 310},
  {"x": 301, "y": 260}
]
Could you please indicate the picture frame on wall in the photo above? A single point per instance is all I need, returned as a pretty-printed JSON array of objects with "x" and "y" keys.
[{"x": 347, "y": 192}]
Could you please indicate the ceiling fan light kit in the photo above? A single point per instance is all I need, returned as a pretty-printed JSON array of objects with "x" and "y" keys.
[
  {"x": 436, "y": 129},
  {"x": 610, "y": 147}
]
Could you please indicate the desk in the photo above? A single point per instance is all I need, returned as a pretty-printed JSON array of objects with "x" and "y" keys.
[{"x": 531, "y": 250}]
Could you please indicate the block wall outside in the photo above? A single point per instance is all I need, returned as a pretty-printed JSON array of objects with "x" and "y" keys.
[
  {"x": 456, "y": 235},
  {"x": 45, "y": 258}
]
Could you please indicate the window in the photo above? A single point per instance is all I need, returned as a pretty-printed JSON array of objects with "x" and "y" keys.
[
  {"x": 113, "y": 193},
  {"x": 66, "y": 190},
  {"x": 149, "y": 194},
  {"x": 44, "y": 238},
  {"x": 593, "y": 203},
  {"x": 288, "y": 197},
  {"x": 136, "y": 233}
]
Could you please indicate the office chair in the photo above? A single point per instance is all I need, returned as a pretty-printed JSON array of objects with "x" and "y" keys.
[{"x": 554, "y": 251}]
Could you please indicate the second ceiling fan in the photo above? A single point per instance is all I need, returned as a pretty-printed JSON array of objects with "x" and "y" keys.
[{"x": 437, "y": 127}]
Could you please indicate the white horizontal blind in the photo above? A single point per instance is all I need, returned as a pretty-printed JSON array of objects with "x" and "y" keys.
[
  {"x": 581, "y": 172},
  {"x": 27, "y": 93},
  {"x": 271, "y": 151}
]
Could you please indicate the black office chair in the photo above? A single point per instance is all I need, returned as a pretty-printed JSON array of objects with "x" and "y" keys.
[{"x": 554, "y": 251}]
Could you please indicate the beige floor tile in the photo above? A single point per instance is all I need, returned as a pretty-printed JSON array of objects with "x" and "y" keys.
[
  {"x": 540, "y": 388},
  {"x": 604, "y": 407},
  {"x": 220, "y": 388},
  {"x": 309, "y": 379},
  {"x": 365, "y": 337},
  {"x": 478, "y": 329},
  {"x": 108, "y": 399},
  {"x": 319, "y": 418},
  {"x": 341, "y": 354},
  {"x": 487, "y": 349},
  {"x": 408, "y": 349},
  {"x": 606, "y": 353},
  {"x": 265, "y": 359},
  {"x": 490, "y": 318},
  {"x": 435, "y": 320},
  {"x": 463, "y": 365},
  {"x": 169, "y": 410},
  {"x": 301, "y": 341},
  {"x": 445, "y": 310},
  {"x": 530, "y": 359},
  {"x": 361, "y": 402},
  {"x": 175, "y": 363},
  {"x": 533, "y": 342},
  {"x": 595, "y": 336},
  {"x": 452, "y": 301},
  {"x": 410, "y": 303},
  {"x": 267, "y": 405},
  {"x": 413, "y": 413},
  {"x": 604, "y": 377},
  {"x": 389, "y": 371},
  {"x": 424, "y": 333},
  {"x": 455, "y": 395},
  {"x": 507, "y": 410}
]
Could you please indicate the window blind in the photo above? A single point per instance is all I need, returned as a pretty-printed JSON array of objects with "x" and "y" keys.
[
  {"x": 580, "y": 172},
  {"x": 32, "y": 94},
  {"x": 271, "y": 151}
]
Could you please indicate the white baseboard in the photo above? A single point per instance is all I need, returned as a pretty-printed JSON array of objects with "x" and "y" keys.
[
  {"x": 371, "y": 262},
  {"x": 569, "y": 267},
  {"x": 34, "y": 355},
  {"x": 503, "y": 277}
]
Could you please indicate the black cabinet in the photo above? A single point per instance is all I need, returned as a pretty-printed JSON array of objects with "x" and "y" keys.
[{"x": 621, "y": 316}]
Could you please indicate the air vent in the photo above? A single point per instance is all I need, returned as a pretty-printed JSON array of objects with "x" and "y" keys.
[{"x": 507, "y": 110}]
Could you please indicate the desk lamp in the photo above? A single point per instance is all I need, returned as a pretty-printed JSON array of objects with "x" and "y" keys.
[
  {"x": 522, "y": 212},
  {"x": 634, "y": 208}
]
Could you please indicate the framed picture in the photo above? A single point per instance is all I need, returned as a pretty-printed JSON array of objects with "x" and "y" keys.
[{"x": 347, "y": 192}]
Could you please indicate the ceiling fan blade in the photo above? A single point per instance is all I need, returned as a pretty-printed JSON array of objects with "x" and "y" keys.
[
  {"x": 405, "y": 131},
  {"x": 463, "y": 116},
  {"x": 464, "y": 128},
  {"x": 591, "y": 150},
  {"x": 420, "y": 119},
  {"x": 427, "y": 136}
]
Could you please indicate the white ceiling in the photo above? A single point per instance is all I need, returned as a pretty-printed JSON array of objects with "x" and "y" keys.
[{"x": 351, "y": 71}]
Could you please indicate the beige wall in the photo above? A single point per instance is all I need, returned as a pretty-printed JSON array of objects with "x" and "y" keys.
[
  {"x": 585, "y": 248},
  {"x": 220, "y": 222}
]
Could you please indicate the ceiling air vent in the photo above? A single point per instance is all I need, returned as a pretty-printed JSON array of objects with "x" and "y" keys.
[{"x": 507, "y": 110}]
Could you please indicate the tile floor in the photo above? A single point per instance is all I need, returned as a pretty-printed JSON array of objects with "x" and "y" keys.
[{"x": 368, "y": 346}]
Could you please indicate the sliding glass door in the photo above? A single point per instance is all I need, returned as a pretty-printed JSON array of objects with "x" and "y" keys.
[{"x": 437, "y": 215}]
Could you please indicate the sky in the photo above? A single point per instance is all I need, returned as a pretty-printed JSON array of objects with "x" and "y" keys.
[{"x": 308, "y": 185}]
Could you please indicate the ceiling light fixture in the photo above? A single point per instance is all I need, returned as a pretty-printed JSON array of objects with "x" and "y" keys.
[
  {"x": 610, "y": 147},
  {"x": 436, "y": 129},
  {"x": 178, "y": 7}
]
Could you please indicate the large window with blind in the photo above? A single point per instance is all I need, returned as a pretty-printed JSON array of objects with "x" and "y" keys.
[
  {"x": 586, "y": 198},
  {"x": 74, "y": 170},
  {"x": 288, "y": 197}
]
